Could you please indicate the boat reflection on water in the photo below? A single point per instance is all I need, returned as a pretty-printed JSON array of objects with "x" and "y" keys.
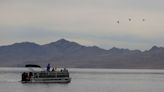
[{"x": 54, "y": 76}]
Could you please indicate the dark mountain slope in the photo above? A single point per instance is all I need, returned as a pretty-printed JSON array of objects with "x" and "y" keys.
[{"x": 71, "y": 54}]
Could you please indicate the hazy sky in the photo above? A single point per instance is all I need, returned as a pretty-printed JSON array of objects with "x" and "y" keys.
[{"x": 88, "y": 22}]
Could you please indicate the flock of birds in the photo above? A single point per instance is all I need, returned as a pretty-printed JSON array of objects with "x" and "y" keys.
[{"x": 130, "y": 20}]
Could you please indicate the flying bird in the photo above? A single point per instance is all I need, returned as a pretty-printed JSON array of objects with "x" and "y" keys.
[
  {"x": 143, "y": 19},
  {"x": 118, "y": 21}
]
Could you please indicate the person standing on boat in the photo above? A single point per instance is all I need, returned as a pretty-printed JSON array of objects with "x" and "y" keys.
[{"x": 48, "y": 68}]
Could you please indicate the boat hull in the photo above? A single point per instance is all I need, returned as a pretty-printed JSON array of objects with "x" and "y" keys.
[{"x": 48, "y": 80}]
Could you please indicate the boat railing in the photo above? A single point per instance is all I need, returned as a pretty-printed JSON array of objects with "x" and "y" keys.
[{"x": 50, "y": 74}]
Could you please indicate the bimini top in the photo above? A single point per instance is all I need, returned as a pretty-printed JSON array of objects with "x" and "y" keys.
[{"x": 32, "y": 65}]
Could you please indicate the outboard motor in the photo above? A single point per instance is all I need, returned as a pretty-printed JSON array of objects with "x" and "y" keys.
[{"x": 24, "y": 76}]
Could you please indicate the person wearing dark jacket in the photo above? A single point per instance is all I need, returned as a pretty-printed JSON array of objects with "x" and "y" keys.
[{"x": 48, "y": 68}]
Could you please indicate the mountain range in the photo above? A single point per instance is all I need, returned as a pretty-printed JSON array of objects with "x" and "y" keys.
[{"x": 64, "y": 53}]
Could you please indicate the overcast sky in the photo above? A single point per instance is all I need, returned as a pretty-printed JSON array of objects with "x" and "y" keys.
[{"x": 88, "y": 22}]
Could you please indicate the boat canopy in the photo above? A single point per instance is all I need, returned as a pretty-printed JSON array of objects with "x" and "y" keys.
[{"x": 32, "y": 65}]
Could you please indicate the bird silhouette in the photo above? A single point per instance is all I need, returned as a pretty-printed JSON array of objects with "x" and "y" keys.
[
  {"x": 143, "y": 20},
  {"x": 118, "y": 21},
  {"x": 129, "y": 19}
]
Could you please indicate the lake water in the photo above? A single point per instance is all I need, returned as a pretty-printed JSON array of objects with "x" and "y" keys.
[{"x": 89, "y": 80}]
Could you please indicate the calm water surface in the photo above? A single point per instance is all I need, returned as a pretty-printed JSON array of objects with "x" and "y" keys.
[{"x": 89, "y": 80}]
